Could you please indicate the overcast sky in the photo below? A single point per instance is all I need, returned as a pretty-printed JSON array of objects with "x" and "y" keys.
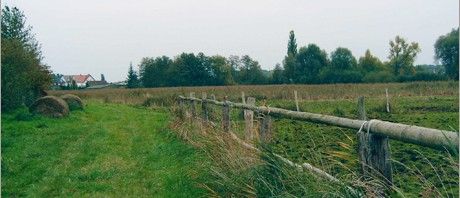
[{"x": 104, "y": 36}]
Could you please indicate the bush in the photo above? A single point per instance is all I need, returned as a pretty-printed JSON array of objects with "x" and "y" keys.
[
  {"x": 422, "y": 76},
  {"x": 340, "y": 76},
  {"x": 50, "y": 106},
  {"x": 74, "y": 102},
  {"x": 381, "y": 76}
]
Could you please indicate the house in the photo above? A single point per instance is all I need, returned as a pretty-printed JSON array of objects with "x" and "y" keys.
[
  {"x": 98, "y": 83},
  {"x": 79, "y": 80}
]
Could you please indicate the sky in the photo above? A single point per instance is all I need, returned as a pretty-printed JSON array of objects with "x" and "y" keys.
[{"x": 104, "y": 36}]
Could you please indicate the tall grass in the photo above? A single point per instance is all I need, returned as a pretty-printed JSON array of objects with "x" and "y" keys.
[
  {"x": 241, "y": 172},
  {"x": 166, "y": 96}
]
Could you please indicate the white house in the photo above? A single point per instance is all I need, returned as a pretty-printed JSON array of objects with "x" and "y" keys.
[{"x": 80, "y": 80}]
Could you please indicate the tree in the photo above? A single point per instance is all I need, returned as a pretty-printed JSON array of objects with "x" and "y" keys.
[
  {"x": 402, "y": 56},
  {"x": 73, "y": 85},
  {"x": 343, "y": 59},
  {"x": 309, "y": 61},
  {"x": 132, "y": 81},
  {"x": 24, "y": 76},
  {"x": 220, "y": 71},
  {"x": 290, "y": 66},
  {"x": 235, "y": 63},
  {"x": 292, "y": 44},
  {"x": 103, "y": 78},
  {"x": 277, "y": 75},
  {"x": 251, "y": 72},
  {"x": 189, "y": 69},
  {"x": 154, "y": 71},
  {"x": 56, "y": 79},
  {"x": 446, "y": 50},
  {"x": 343, "y": 68},
  {"x": 369, "y": 63},
  {"x": 289, "y": 62}
]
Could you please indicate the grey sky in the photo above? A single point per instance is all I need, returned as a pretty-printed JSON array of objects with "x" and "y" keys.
[{"x": 103, "y": 36}]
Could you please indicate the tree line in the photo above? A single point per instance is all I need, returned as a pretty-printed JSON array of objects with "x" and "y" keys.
[
  {"x": 305, "y": 65},
  {"x": 188, "y": 69}
]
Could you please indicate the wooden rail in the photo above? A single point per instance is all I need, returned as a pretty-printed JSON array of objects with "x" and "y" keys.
[
  {"x": 372, "y": 135},
  {"x": 433, "y": 138}
]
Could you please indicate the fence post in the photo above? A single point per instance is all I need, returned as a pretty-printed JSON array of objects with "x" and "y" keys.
[
  {"x": 204, "y": 108},
  {"x": 249, "y": 120},
  {"x": 243, "y": 100},
  {"x": 226, "y": 116},
  {"x": 265, "y": 128},
  {"x": 193, "y": 104},
  {"x": 373, "y": 150},
  {"x": 181, "y": 109},
  {"x": 296, "y": 100},
  {"x": 388, "y": 100}
]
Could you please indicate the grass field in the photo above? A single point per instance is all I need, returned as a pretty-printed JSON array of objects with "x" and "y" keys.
[
  {"x": 168, "y": 95},
  {"x": 417, "y": 171},
  {"x": 107, "y": 150}
]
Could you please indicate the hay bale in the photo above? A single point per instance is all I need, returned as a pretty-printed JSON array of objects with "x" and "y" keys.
[
  {"x": 74, "y": 102},
  {"x": 50, "y": 106}
]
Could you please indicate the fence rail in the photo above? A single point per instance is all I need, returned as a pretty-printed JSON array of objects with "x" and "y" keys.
[
  {"x": 433, "y": 138},
  {"x": 373, "y": 146}
]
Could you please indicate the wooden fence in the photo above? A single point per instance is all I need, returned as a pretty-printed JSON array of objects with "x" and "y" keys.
[{"x": 373, "y": 135}]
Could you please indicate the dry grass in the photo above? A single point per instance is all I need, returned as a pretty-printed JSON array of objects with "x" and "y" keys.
[
  {"x": 167, "y": 95},
  {"x": 239, "y": 171}
]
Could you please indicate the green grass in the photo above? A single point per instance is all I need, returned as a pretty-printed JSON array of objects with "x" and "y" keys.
[
  {"x": 105, "y": 150},
  {"x": 334, "y": 149},
  {"x": 417, "y": 170}
]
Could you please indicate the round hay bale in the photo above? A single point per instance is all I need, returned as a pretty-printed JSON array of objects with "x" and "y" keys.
[
  {"x": 74, "y": 102},
  {"x": 50, "y": 106}
]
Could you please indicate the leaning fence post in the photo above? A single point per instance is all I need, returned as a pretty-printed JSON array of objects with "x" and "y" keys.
[
  {"x": 226, "y": 116},
  {"x": 204, "y": 108},
  {"x": 373, "y": 150},
  {"x": 296, "y": 100},
  {"x": 249, "y": 120},
  {"x": 193, "y": 104}
]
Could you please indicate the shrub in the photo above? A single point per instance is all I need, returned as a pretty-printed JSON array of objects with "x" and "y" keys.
[
  {"x": 381, "y": 76},
  {"x": 340, "y": 76},
  {"x": 74, "y": 102},
  {"x": 50, "y": 106},
  {"x": 422, "y": 76}
]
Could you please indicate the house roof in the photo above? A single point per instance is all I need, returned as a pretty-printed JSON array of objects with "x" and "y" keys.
[{"x": 77, "y": 78}]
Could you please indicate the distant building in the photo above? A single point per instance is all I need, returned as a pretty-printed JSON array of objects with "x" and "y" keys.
[
  {"x": 98, "y": 83},
  {"x": 79, "y": 80}
]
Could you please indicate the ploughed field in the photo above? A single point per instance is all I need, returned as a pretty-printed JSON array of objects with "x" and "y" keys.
[{"x": 417, "y": 170}]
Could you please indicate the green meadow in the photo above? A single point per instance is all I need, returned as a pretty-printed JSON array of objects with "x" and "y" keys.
[{"x": 105, "y": 150}]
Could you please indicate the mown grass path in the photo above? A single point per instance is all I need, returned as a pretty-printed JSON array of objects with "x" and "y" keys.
[{"x": 105, "y": 150}]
